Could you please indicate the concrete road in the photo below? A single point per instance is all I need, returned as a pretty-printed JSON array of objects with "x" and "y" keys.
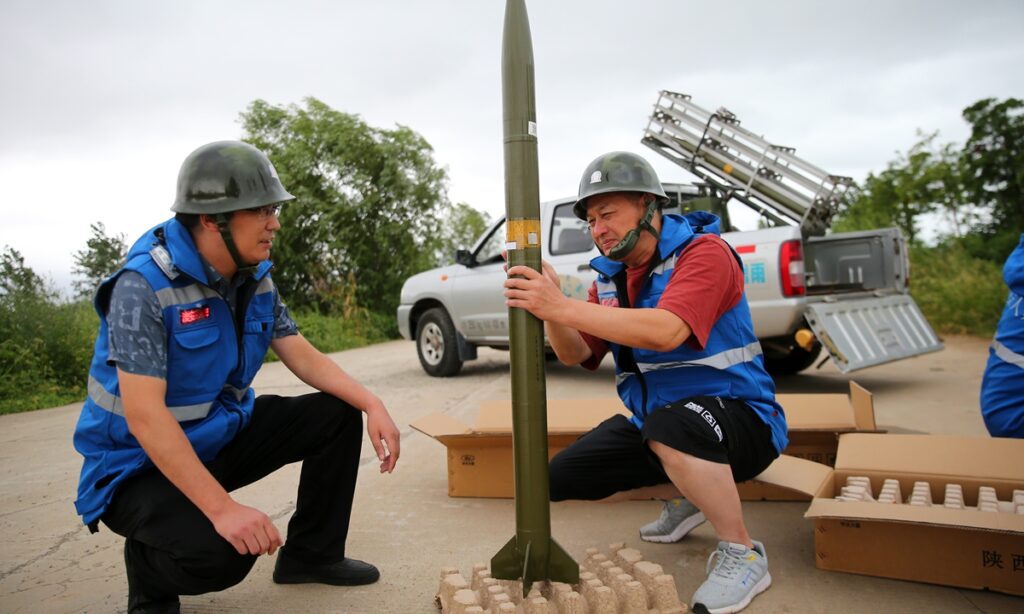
[{"x": 406, "y": 524}]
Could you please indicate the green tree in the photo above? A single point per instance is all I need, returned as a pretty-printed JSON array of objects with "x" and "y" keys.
[
  {"x": 947, "y": 186},
  {"x": 464, "y": 225},
  {"x": 102, "y": 256},
  {"x": 369, "y": 203},
  {"x": 993, "y": 170},
  {"x": 18, "y": 281},
  {"x": 914, "y": 184}
]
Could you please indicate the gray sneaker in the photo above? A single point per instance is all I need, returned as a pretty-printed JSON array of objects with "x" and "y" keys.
[
  {"x": 678, "y": 518},
  {"x": 740, "y": 573}
]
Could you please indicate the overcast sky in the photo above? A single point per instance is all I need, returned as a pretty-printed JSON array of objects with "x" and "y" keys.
[{"x": 102, "y": 100}]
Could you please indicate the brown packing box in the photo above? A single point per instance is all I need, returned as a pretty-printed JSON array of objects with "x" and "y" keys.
[
  {"x": 815, "y": 423},
  {"x": 480, "y": 457},
  {"x": 956, "y": 547}
]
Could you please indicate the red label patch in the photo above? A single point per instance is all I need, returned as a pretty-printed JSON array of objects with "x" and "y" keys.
[{"x": 196, "y": 314}]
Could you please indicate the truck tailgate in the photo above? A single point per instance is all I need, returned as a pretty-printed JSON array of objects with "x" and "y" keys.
[{"x": 860, "y": 333}]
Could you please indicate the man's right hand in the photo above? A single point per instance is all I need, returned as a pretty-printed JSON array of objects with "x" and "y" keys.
[
  {"x": 249, "y": 530},
  {"x": 546, "y": 269}
]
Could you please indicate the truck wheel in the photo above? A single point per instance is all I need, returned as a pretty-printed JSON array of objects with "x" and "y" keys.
[
  {"x": 798, "y": 359},
  {"x": 437, "y": 345}
]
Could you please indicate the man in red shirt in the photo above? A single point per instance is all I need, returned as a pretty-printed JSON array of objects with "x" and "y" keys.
[{"x": 669, "y": 304}]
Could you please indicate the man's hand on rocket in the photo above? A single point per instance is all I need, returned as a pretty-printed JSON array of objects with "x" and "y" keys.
[{"x": 538, "y": 293}]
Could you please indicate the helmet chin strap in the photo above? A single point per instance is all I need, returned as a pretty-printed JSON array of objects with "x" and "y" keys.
[
  {"x": 628, "y": 242},
  {"x": 229, "y": 242}
]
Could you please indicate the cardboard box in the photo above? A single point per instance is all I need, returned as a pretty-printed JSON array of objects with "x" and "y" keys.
[
  {"x": 480, "y": 457},
  {"x": 955, "y": 547},
  {"x": 815, "y": 423}
]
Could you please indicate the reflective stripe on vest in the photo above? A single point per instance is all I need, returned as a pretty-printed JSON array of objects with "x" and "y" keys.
[
  {"x": 1008, "y": 355},
  {"x": 183, "y": 296},
  {"x": 182, "y": 413},
  {"x": 720, "y": 361},
  {"x": 195, "y": 292},
  {"x": 606, "y": 286}
]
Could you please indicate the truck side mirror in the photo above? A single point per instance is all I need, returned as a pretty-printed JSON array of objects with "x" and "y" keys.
[{"x": 464, "y": 257}]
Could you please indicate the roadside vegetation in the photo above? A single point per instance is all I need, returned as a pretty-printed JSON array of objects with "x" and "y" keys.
[
  {"x": 976, "y": 191},
  {"x": 372, "y": 209}
]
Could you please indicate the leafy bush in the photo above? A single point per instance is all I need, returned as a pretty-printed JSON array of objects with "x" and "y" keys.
[
  {"x": 44, "y": 353},
  {"x": 957, "y": 293}
]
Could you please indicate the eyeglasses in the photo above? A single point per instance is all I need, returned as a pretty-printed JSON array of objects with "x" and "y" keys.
[{"x": 266, "y": 211}]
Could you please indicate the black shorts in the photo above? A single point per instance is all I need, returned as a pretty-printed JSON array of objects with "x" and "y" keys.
[
  {"x": 615, "y": 456},
  {"x": 715, "y": 429}
]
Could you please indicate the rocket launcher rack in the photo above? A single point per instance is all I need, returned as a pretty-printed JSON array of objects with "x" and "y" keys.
[{"x": 770, "y": 179}]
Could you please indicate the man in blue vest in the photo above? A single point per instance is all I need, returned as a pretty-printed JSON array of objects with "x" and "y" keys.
[
  {"x": 1002, "y": 389},
  {"x": 171, "y": 425},
  {"x": 668, "y": 304}
]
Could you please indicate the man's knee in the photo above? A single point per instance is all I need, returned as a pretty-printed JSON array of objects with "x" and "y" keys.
[
  {"x": 335, "y": 415},
  {"x": 218, "y": 567}
]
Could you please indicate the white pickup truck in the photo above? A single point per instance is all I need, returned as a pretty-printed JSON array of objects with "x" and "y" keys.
[{"x": 846, "y": 292}]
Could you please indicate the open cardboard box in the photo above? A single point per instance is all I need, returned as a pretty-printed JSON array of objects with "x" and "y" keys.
[
  {"x": 956, "y": 547},
  {"x": 815, "y": 423},
  {"x": 480, "y": 457}
]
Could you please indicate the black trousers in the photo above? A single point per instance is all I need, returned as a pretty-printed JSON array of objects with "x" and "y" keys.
[{"x": 173, "y": 549}]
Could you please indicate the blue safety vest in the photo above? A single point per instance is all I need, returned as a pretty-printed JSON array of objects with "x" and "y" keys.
[
  {"x": 1002, "y": 389},
  {"x": 731, "y": 365},
  {"x": 208, "y": 369}
]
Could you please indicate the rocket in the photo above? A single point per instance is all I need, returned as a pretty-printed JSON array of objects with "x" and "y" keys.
[{"x": 531, "y": 554}]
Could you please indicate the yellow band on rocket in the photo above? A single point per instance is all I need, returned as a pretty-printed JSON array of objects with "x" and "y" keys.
[{"x": 522, "y": 234}]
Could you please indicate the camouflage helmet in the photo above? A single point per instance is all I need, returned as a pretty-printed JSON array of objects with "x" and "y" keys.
[
  {"x": 618, "y": 171},
  {"x": 227, "y": 176}
]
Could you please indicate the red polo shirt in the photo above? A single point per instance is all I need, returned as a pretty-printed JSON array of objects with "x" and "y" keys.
[{"x": 707, "y": 281}]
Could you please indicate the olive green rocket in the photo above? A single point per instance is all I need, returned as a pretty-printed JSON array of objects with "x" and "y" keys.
[{"x": 531, "y": 554}]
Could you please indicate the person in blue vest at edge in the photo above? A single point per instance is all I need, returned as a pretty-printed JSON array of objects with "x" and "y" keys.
[
  {"x": 668, "y": 303},
  {"x": 1002, "y": 388},
  {"x": 171, "y": 425}
]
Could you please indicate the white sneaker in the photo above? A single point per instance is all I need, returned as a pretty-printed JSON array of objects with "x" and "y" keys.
[
  {"x": 678, "y": 518},
  {"x": 739, "y": 574}
]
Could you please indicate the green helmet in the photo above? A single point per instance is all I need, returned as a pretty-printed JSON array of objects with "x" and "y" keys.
[
  {"x": 618, "y": 171},
  {"x": 227, "y": 176}
]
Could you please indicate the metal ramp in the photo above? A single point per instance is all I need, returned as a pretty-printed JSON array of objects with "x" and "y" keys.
[
  {"x": 770, "y": 179},
  {"x": 870, "y": 331}
]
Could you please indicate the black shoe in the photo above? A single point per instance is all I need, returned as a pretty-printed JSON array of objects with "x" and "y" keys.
[
  {"x": 346, "y": 572},
  {"x": 141, "y": 603}
]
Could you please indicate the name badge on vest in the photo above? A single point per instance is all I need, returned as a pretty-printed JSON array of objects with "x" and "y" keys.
[{"x": 193, "y": 315}]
